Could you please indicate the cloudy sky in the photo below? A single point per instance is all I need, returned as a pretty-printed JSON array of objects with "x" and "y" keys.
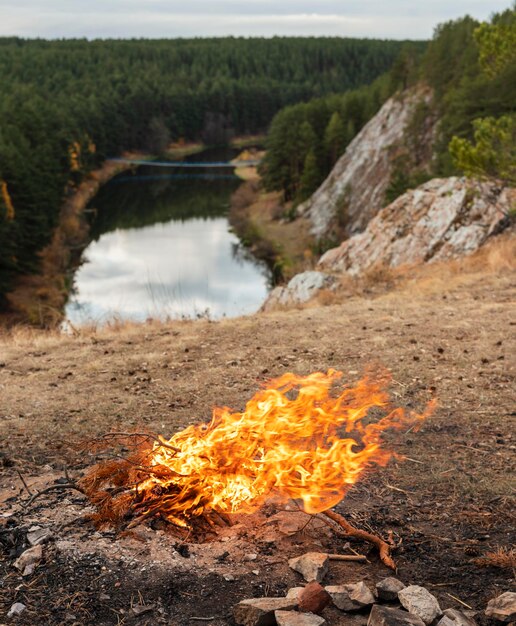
[{"x": 179, "y": 18}]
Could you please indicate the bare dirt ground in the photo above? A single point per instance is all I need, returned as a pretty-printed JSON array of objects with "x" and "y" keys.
[{"x": 450, "y": 502}]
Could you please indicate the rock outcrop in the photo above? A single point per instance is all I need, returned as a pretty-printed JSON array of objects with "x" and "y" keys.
[
  {"x": 301, "y": 288},
  {"x": 355, "y": 190},
  {"x": 442, "y": 219}
]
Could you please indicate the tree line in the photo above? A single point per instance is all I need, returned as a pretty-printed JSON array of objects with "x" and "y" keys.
[
  {"x": 66, "y": 105},
  {"x": 472, "y": 70}
]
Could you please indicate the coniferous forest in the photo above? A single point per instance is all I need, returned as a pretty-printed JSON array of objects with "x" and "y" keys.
[
  {"x": 67, "y": 105},
  {"x": 305, "y": 140}
]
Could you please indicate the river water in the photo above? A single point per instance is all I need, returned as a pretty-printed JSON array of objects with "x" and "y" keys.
[{"x": 162, "y": 247}]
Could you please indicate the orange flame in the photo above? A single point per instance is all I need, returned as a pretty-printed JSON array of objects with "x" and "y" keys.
[{"x": 294, "y": 440}]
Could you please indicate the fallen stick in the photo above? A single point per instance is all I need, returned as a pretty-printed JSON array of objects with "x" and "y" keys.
[
  {"x": 348, "y": 557},
  {"x": 383, "y": 547},
  {"x": 24, "y": 483},
  {"x": 57, "y": 487}
]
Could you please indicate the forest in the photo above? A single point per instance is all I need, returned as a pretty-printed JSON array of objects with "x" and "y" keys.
[
  {"x": 67, "y": 105},
  {"x": 306, "y": 139}
]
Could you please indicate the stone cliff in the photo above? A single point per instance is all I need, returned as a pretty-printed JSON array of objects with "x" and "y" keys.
[
  {"x": 355, "y": 190},
  {"x": 443, "y": 219}
]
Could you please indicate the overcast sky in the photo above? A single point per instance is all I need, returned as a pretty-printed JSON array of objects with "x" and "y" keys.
[{"x": 414, "y": 19}]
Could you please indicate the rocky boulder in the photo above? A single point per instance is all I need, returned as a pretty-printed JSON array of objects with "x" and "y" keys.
[
  {"x": 442, "y": 219},
  {"x": 385, "y": 616},
  {"x": 312, "y": 565},
  {"x": 388, "y": 589},
  {"x": 356, "y": 186},
  {"x": 420, "y": 602},
  {"x": 503, "y": 608},
  {"x": 300, "y": 289},
  {"x": 260, "y": 611}
]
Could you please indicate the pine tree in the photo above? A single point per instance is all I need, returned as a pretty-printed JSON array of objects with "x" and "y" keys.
[
  {"x": 335, "y": 138},
  {"x": 311, "y": 177}
]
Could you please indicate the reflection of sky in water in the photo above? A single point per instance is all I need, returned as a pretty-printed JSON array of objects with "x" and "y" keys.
[{"x": 174, "y": 269}]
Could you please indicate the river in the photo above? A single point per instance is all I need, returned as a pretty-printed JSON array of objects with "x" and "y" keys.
[{"x": 162, "y": 247}]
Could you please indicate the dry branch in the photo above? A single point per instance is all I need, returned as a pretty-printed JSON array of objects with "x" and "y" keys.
[
  {"x": 348, "y": 557},
  {"x": 58, "y": 487},
  {"x": 384, "y": 548}
]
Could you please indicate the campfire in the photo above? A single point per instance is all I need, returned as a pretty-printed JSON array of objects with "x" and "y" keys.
[{"x": 298, "y": 440}]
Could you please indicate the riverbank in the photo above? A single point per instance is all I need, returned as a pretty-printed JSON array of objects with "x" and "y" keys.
[
  {"x": 39, "y": 299},
  {"x": 261, "y": 220}
]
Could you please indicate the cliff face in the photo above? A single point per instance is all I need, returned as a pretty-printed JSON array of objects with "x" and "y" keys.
[
  {"x": 442, "y": 219},
  {"x": 445, "y": 218},
  {"x": 355, "y": 190}
]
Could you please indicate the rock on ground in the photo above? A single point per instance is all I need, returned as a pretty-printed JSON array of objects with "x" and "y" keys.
[
  {"x": 503, "y": 608},
  {"x": 313, "y": 598},
  {"x": 292, "y": 618},
  {"x": 388, "y": 588},
  {"x": 386, "y": 616},
  {"x": 38, "y": 535},
  {"x": 28, "y": 560},
  {"x": 294, "y": 593},
  {"x": 419, "y": 601},
  {"x": 353, "y": 597},
  {"x": 459, "y": 618},
  {"x": 299, "y": 289},
  {"x": 358, "y": 182},
  {"x": 312, "y": 565},
  {"x": 260, "y": 611},
  {"x": 16, "y": 609},
  {"x": 442, "y": 219}
]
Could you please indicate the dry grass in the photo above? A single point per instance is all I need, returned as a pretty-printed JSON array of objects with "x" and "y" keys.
[
  {"x": 504, "y": 558},
  {"x": 451, "y": 338},
  {"x": 497, "y": 257}
]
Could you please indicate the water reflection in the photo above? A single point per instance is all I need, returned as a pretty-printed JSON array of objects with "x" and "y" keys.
[{"x": 162, "y": 247}]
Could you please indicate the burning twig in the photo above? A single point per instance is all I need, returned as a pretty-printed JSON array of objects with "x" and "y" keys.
[
  {"x": 294, "y": 441},
  {"x": 148, "y": 436}
]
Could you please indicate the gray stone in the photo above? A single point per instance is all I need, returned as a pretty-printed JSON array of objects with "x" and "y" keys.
[
  {"x": 438, "y": 221},
  {"x": 16, "y": 609},
  {"x": 353, "y": 597},
  {"x": 301, "y": 288},
  {"x": 292, "y": 618},
  {"x": 386, "y": 616},
  {"x": 260, "y": 611},
  {"x": 39, "y": 536},
  {"x": 503, "y": 608},
  {"x": 28, "y": 560},
  {"x": 356, "y": 186},
  {"x": 445, "y": 621},
  {"x": 419, "y": 601},
  {"x": 388, "y": 589},
  {"x": 459, "y": 618},
  {"x": 312, "y": 565},
  {"x": 229, "y": 578}
]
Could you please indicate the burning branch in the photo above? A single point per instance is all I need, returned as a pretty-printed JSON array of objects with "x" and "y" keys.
[{"x": 294, "y": 441}]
